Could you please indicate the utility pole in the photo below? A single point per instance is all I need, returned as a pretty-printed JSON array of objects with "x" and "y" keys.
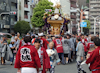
[
  {"x": 17, "y": 10},
  {"x": 95, "y": 18},
  {"x": 10, "y": 18}
]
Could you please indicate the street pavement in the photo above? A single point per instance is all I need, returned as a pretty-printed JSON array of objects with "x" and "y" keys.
[{"x": 68, "y": 68}]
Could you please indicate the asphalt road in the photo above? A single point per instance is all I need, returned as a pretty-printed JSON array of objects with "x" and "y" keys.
[{"x": 69, "y": 68}]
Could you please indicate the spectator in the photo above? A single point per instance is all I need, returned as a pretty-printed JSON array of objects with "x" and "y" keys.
[
  {"x": 71, "y": 47},
  {"x": 73, "y": 41},
  {"x": 21, "y": 42},
  {"x": 80, "y": 55},
  {"x": 94, "y": 57},
  {"x": 97, "y": 35},
  {"x": 66, "y": 48},
  {"x": 13, "y": 36},
  {"x": 17, "y": 42},
  {"x": 53, "y": 57},
  {"x": 84, "y": 42},
  {"x": 18, "y": 36},
  {"x": 6, "y": 51},
  {"x": 13, "y": 49},
  {"x": 3, "y": 43}
]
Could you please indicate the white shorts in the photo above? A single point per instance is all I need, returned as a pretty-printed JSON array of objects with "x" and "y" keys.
[{"x": 28, "y": 70}]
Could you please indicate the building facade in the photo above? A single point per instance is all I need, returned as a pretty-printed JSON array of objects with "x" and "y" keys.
[
  {"x": 7, "y": 21},
  {"x": 65, "y": 6},
  {"x": 73, "y": 12},
  {"x": 94, "y": 12},
  {"x": 25, "y": 9}
]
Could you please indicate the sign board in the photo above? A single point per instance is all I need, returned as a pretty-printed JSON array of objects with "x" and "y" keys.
[
  {"x": 13, "y": 13},
  {"x": 83, "y": 24},
  {"x": 48, "y": 10},
  {"x": 6, "y": 26}
]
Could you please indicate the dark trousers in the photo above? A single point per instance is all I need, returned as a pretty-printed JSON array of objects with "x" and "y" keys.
[
  {"x": 61, "y": 56},
  {"x": 12, "y": 59}
]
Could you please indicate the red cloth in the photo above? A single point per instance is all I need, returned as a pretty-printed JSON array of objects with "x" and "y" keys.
[
  {"x": 58, "y": 45},
  {"x": 47, "y": 42},
  {"x": 27, "y": 56},
  {"x": 89, "y": 52},
  {"x": 84, "y": 44},
  {"x": 88, "y": 45},
  {"x": 94, "y": 59},
  {"x": 44, "y": 43},
  {"x": 98, "y": 71},
  {"x": 46, "y": 60},
  {"x": 85, "y": 40},
  {"x": 20, "y": 44},
  {"x": 33, "y": 40}
]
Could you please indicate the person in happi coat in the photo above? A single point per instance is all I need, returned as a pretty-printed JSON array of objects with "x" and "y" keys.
[
  {"x": 44, "y": 42},
  {"x": 84, "y": 42},
  {"x": 94, "y": 57},
  {"x": 59, "y": 47},
  {"x": 27, "y": 59},
  {"x": 44, "y": 59}
]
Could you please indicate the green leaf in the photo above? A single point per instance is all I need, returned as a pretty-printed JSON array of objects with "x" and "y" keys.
[
  {"x": 88, "y": 24},
  {"x": 38, "y": 12},
  {"x": 22, "y": 27}
]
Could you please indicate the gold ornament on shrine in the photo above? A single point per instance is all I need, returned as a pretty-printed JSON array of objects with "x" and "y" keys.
[{"x": 56, "y": 20}]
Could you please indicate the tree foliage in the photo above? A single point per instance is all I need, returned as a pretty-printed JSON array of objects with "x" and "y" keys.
[
  {"x": 86, "y": 29},
  {"x": 88, "y": 24},
  {"x": 87, "y": 1},
  {"x": 38, "y": 12},
  {"x": 22, "y": 27}
]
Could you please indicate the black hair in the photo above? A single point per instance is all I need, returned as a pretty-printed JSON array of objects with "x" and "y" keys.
[
  {"x": 33, "y": 36},
  {"x": 67, "y": 34},
  {"x": 65, "y": 37},
  {"x": 87, "y": 34},
  {"x": 78, "y": 38},
  {"x": 82, "y": 34},
  {"x": 52, "y": 36},
  {"x": 37, "y": 40},
  {"x": 97, "y": 33},
  {"x": 44, "y": 35},
  {"x": 27, "y": 39},
  {"x": 13, "y": 34},
  {"x": 96, "y": 41},
  {"x": 92, "y": 38}
]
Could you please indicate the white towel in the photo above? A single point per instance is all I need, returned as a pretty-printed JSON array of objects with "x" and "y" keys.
[{"x": 50, "y": 51}]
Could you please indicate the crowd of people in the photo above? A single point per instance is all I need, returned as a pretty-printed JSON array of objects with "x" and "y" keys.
[{"x": 39, "y": 53}]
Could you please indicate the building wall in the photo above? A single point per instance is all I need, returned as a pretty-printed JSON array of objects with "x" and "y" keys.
[
  {"x": 25, "y": 10},
  {"x": 85, "y": 16},
  {"x": 22, "y": 9},
  {"x": 94, "y": 12},
  {"x": 7, "y": 22},
  {"x": 65, "y": 6},
  {"x": 73, "y": 15}
]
